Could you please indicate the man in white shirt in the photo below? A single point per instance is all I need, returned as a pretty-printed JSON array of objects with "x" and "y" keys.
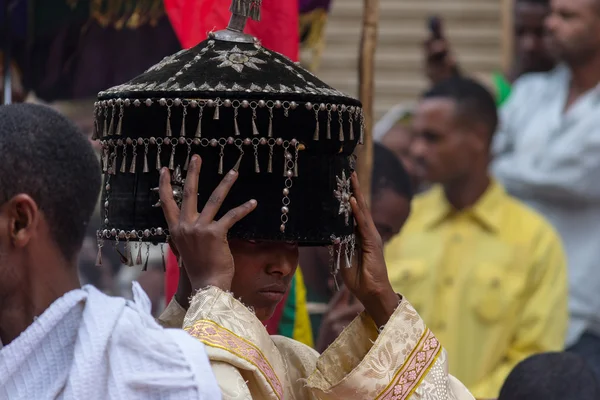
[
  {"x": 547, "y": 153},
  {"x": 62, "y": 341}
]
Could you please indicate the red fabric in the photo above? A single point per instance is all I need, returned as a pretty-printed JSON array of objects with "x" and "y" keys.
[
  {"x": 277, "y": 30},
  {"x": 171, "y": 276}
]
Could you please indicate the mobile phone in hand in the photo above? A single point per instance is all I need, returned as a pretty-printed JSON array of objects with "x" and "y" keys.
[{"x": 435, "y": 27}]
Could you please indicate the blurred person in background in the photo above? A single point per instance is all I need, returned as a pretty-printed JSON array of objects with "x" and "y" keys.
[
  {"x": 531, "y": 51},
  {"x": 487, "y": 274},
  {"x": 551, "y": 376},
  {"x": 394, "y": 132},
  {"x": 398, "y": 139},
  {"x": 547, "y": 153},
  {"x": 391, "y": 195}
]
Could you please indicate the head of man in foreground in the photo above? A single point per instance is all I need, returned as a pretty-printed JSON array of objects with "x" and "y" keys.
[
  {"x": 551, "y": 376},
  {"x": 48, "y": 190}
]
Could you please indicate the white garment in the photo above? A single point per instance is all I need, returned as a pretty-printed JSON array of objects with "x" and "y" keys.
[
  {"x": 390, "y": 119},
  {"x": 550, "y": 159},
  {"x": 89, "y": 346}
]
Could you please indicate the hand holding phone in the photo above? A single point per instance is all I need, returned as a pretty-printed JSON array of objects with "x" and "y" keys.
[
  {"x": 435, "y": 27},
  {"x": 437, "y": 50},
  {"x": 440, "y": 64}
]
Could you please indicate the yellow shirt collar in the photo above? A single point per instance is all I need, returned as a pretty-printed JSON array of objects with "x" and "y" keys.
[{"x": 485, "y": 211}]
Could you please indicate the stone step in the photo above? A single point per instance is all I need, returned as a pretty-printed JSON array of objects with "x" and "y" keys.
[
  {"x": 411, "y": 9},
  {"x": 342, "y": 35},
  {"x": 340, "y": 60},
  {"x": 472, "y": 26}
]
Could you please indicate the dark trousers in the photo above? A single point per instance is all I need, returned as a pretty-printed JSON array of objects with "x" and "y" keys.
[{"x": 588, "y": 347}]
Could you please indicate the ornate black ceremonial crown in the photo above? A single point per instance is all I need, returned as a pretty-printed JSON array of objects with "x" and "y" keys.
[{"x": 237, "y": 105}]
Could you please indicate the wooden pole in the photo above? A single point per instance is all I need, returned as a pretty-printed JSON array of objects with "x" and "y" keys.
[
  {"x": 507, "y": 38},
  {"x": 368, "y": 46}
]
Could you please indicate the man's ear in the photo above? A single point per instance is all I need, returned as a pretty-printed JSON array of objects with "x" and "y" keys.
[
  {"x": 24, "y": 217},
  {"x": 480, "y": 139}
]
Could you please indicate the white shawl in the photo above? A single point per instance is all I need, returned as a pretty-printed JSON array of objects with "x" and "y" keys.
[{"x": 89, "y": 346}]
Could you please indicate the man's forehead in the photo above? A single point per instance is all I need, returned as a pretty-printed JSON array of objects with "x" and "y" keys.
[
  {"x": 574, "y": 5},
  {"x": 530, "y": 13},
  {"x": 434, "y": 110}
]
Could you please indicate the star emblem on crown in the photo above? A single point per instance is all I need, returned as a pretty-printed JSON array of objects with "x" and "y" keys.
[
  {"x": 238, "y": 59},
  {"x": 177, "y": 183},
  {"x": 342, "y": 194}
]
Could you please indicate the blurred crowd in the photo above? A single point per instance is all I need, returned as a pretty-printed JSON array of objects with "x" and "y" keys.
[
  {"x": 499, "y": 252},
  {"x": 486, "y": 195}
]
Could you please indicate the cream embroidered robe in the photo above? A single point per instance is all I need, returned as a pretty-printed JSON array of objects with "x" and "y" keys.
[{"x": 405, "y": 361}]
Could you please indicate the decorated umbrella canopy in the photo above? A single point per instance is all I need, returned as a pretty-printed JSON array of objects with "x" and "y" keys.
[
  {"x": 313, "y": 17},
  {"x": 74, "y": 48}
]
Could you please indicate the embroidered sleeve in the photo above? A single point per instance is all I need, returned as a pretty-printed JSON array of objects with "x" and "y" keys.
[
  {"x": 405, "y": 361},
  {"x": 233, "y": 336}
]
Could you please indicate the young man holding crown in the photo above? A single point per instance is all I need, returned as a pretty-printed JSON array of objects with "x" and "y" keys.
[
  {"x": 230, "y": 111},
  {"x": 386, "y": 352}
]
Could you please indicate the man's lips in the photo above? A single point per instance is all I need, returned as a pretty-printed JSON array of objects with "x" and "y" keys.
[
  {"x": 274, "y": 293},
  {"x": 276, "y": 288}
]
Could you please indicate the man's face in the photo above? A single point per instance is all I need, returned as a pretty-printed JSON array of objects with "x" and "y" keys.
[
  {"x": 530, "y": 37},
  {"x": 441, "y": 147},
  {"x": 389, "y": 211},
  {"x": 574, "y": 30},
  {"x": 263, "y": 272}
]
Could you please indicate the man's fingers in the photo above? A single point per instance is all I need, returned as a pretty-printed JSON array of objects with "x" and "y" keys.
[
  {"x": 189, "y": 206},
  {"x": 358, "y": 214},
  {"x": 433, "y": 44},
  {"x": 360, "y": 209},
  {"x": 216, "y": 198},
  {"x": 167, "y": 201},
  {"x": 173, "y": 247},
  {"x": 236, "y": 214},
  {"x": 362, "y": 203},
  {"x": 438, "y": 47}
]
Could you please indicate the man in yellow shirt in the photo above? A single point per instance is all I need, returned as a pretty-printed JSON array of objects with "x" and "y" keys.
[{"x": 486, "y": 273}]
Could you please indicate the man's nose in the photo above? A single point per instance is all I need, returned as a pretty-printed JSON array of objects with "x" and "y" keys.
[
  {"x": 417, "y": 149},
  {"x": 528, "y": 43},
  {"x": 550, "y": 24},
  {"x": 281, "y": 265}
]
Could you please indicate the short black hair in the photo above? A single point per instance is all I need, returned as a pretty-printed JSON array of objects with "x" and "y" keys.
[
  {"x": 48, "y": 158},
  {"x": 389, "y": 173},
  {"x": 551, "y": 376},
  {"x": 545, "y": 3},
  {"x": 474, "y": 102}
]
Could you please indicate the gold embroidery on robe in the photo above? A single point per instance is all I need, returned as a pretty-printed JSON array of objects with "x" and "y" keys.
[
  {"x": 402, "y": 362},
  {"x": 417, "y": 366},
  {"x": 214, "y": 335}
]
